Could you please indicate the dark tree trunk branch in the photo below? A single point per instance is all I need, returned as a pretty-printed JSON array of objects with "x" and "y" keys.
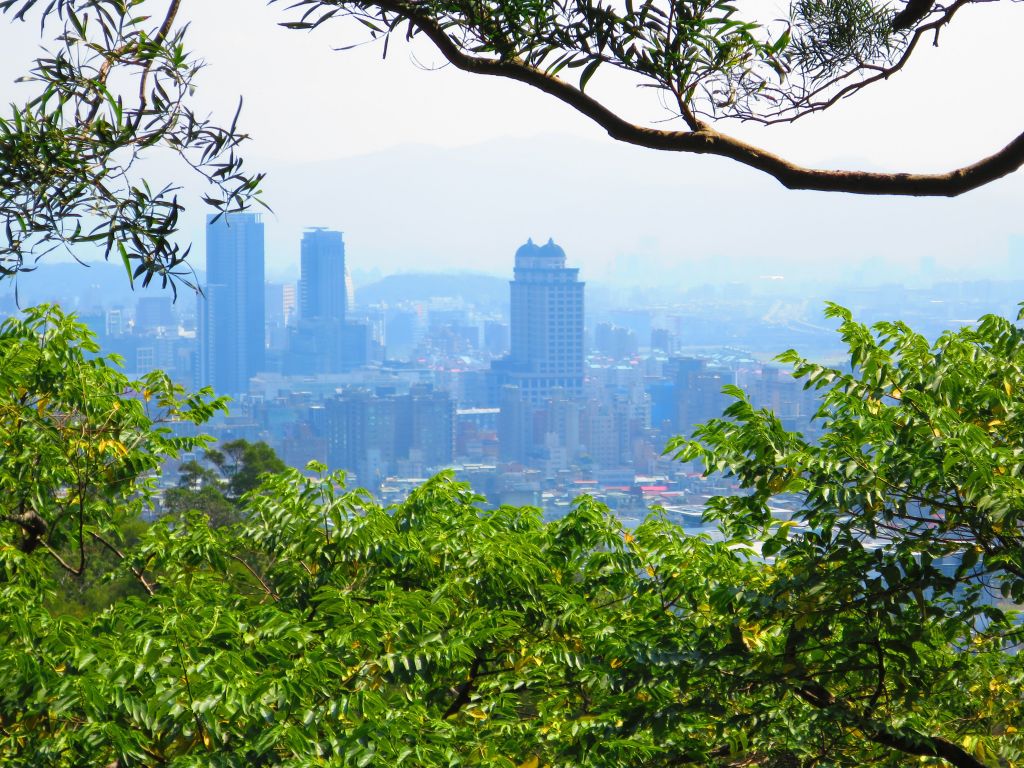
[
  {"x": 912, "y": 12},
  {"x": 909, "y": 743},
  {"x": 32, "y": 525},
  {"x": 465, "y": 690},
  {"x": 708, "y": 141}
]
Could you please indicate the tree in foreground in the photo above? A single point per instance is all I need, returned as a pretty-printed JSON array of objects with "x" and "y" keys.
[
  {"x": 116, "y": 87},
  {"x": 322, "y": 629}
]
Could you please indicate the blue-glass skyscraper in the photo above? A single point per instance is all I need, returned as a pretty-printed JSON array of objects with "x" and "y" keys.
[
  {"x": 322, "y": 341},
  {"x": 322, "y": 293},
  {"x": 231, "y": 312}
]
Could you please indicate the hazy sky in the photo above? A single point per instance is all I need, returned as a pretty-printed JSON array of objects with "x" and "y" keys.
[
  {"x": 306, "y": 104},
  {"x": 305, "y": 101}
]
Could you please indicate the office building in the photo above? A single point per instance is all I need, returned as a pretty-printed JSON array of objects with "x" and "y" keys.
[
  {"x": 322, "y": 290},
  {"x": 231, "y": 311},
  {"x": 320, "y": 342},
  {"x": 374, "y": 434},
  {"x": 546, "y": 326},
  {"x": 155, "y": 315}
]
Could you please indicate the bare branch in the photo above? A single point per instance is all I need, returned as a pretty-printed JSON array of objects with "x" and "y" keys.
[{"x": 252, "y": 571}]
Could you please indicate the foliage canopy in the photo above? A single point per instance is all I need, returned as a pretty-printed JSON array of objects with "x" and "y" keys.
[{"x": 322, "y": 629}]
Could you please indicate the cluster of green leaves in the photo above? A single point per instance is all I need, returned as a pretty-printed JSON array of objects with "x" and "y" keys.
[
  {"x": 836, "y": 34},
  {"x": 685, "y": 48},
  {"x": 318, "y": 628},
  {"x": 115, "y": 86},
  {"x": 909, "y": 536},
  {"x": 323, "y": 629},
  {"x": 81, "y": 442}
]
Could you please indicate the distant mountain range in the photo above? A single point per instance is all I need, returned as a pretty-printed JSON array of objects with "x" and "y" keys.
[
  {"x": 624, "y": 215},
  {"x": 483, "y": 291},
  {"x": 83, "y": 288},
  {"x": 629, "y": 218}
]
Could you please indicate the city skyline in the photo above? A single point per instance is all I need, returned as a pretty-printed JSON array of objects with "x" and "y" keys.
[
  {"x": 510, "y": 381},
  {"x": 677, "y": 208}
]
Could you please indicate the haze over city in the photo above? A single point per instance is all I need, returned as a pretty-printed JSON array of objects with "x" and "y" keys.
[{"x": 424, "y": 165}]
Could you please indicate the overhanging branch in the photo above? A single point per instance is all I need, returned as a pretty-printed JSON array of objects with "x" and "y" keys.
[{"x": 708, "y": 141}]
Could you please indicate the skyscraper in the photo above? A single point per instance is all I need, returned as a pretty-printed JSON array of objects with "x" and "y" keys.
[
  {"x": 322, "y": 290},
  {"x": 231, "y": 312},
  {"x": 320, "y": 342},
  {"x": 546, "y": 326}
]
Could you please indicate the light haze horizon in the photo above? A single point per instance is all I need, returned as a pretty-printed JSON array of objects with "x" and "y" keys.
[{"x": 441, "y": 170}]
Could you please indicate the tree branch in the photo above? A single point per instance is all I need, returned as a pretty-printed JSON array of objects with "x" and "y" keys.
[
  {"x": 32, "y": 524},
  {"x": 146, "y": 583},
  {"x": 708, "y": 141},
  {"x": 803, "y": 100},
  {"x": 910, "y": 743},
  {"x": 252, "y": 571},
  {"x": 912, "y": 12},
  {"x": 158, "y": 41},
  {"x": 464, "y": 691}
]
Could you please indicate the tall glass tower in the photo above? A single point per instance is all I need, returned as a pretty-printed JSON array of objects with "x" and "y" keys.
[
  {"x": 547, "y": 325},
  {"x": 322, "y": 290},
  {"x": 231, "y": 312},
  {"x": 318, "y": 341}
]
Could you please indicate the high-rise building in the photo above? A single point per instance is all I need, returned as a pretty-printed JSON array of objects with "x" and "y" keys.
[
  {"x": 155, "y": 314},
  {"x": 360, "y": 431},
  {"x": 322, "y": 290},
  {"x": 231, "y": 311},
  {"x": 430, "y": 436},
  {"x": 320, "y": 342},
  {"x": 546, "y": 326}
]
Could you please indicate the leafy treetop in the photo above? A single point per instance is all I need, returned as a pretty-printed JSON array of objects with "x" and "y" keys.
[
  {"x": 318, "y": 628},
  {"x": 116, "y": 86}
]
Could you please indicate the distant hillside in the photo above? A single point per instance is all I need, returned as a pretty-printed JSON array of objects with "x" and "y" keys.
[
  {"x": 484, "y": 291},
  {"x": 80, "y": 287}
]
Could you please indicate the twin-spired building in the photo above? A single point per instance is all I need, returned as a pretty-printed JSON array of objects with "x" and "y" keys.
[{"x": 546, "y": 326}]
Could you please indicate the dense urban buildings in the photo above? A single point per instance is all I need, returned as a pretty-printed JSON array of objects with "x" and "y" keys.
[
  {"x": 231, "y": 313},
  {"x": 509, "y": 383}
]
